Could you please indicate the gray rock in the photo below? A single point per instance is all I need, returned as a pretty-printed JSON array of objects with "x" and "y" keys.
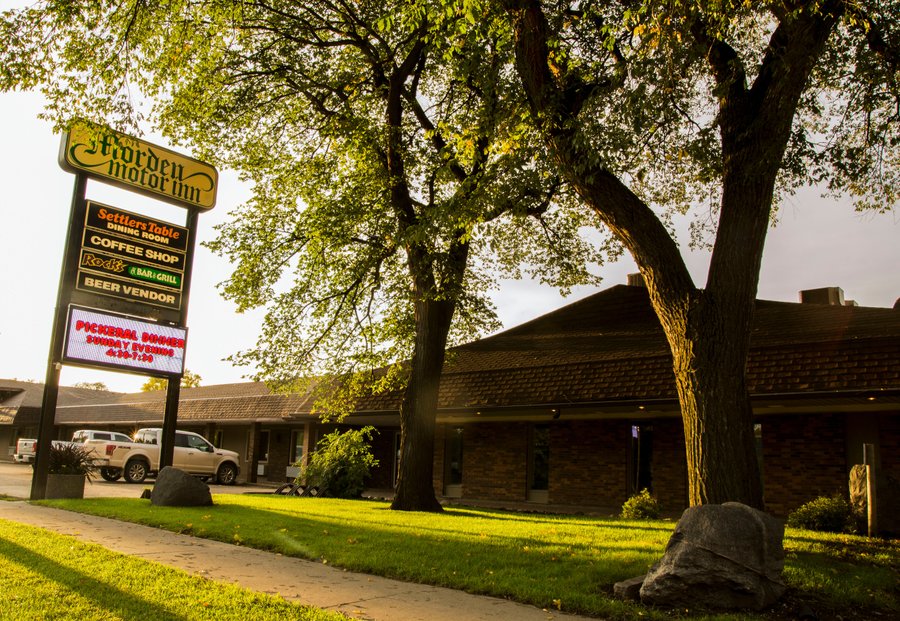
[
  {"x": 176, "y": 488},
  {"x": 859, "y": 501},
  {"x": 629, "y": 590},
  {"x": 726, "y": 556}
]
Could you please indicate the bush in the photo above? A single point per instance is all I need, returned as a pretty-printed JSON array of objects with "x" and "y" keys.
[
  {"x": 831, "y": 515},
  {"x": 67, "y": 458},
  {"x": 641, "y": 506},
  {"x": 341, "y": 463}
]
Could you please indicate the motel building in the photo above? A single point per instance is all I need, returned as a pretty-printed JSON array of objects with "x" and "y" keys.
[{"x": 572, "y": 411}]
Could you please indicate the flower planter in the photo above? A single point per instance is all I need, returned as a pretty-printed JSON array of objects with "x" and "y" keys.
[{"x": 65, "y": 486}]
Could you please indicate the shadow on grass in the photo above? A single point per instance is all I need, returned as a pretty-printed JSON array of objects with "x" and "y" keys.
[
  {"x": 553, "y": 518},
  {"x": 101, "y": 594}
]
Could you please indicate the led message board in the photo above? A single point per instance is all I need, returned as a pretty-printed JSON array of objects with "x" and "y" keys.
[{"x": 101, "y": 339}]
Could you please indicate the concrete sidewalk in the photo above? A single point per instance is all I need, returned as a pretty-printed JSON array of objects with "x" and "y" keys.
[{"x": 358, "y": 596}]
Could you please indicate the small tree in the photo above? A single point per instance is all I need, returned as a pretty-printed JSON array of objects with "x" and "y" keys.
[
  {"x": 341, "y": 463},
  {"x": 188, "y": 380},
  {"x": 92, "y": 385}
]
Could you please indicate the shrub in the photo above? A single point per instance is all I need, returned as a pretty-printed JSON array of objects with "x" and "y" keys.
[
  {"x": 341, "y": 463},
  {"x": 641, "y": 506},
  {"x": 832, "y": 515},
  {"x": 67, "y": 458}
]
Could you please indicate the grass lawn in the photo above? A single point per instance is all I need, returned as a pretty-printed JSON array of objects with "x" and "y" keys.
[
  {"x": 560, "y": 562},
  {"x": 44, "y": 575}
]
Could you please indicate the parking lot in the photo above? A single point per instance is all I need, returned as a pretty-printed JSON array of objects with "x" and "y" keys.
[{"x": 15, "y": 481}]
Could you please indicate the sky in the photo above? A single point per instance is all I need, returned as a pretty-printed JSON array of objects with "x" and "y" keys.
[{"x": 817, "y": 243}]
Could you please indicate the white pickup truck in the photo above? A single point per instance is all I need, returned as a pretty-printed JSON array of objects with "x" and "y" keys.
[
  {"x": 25, "y": 450},
  {"x": 193, "y": 453}
]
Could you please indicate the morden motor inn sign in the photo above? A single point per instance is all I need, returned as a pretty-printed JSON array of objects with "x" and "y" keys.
[{"x": 139, "y": 166}]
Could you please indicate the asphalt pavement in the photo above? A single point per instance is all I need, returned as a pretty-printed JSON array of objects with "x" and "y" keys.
[{"x": 358, "y": 596}]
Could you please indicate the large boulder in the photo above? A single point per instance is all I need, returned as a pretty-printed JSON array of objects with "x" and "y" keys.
[
  {"x": 176, "y": 488},
  {"x": 859, "y": 500},
  {"x": 726, "y": 556}
]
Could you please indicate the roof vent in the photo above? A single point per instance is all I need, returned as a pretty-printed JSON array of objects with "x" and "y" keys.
[
  {"x": 832, "y": 296},
  {"x": 635, "y": 280}
]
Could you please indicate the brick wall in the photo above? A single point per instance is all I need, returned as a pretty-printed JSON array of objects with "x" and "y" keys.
[
  {"x": 440, "y": 434},
  {"x": 588, "y": 462},
  {"x": 494, "y": 459},
  {"x": 382, "y": 476},
  {"x": 889, "y": 432},
  {"x": 669, "y": 465},
  {"x": 804, "y": 457},
  {"x": 279, "y": 454}
]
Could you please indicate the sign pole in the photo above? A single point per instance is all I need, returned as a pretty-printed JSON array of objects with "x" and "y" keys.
[
  {"x": 170, "y": 422},
  {"x": 126, "y": 262},
  {"x": 173, "y": 387},
  {"x": 54, "y": 361}
]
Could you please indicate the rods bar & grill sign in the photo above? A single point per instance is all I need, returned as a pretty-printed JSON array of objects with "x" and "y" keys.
[{"x": 138, "y": 166}]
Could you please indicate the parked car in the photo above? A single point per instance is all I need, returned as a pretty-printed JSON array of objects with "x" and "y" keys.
[
  {"x": 92, "y": 437},
  {"x": 192, "y": 453},
  {"x": 25, "y": 450},
  {"x": 94, "y": 442}
]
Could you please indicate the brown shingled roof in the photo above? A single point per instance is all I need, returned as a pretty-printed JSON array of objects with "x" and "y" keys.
[
  {"x": 606, "y": 348},
  {"x": 611, "y": 347}
]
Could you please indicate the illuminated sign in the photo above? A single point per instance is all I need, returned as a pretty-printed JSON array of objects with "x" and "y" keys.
[
  {"x": 139, "y": 166},
  {"x": 135, "y": 226},
  {"x": 109, "y": 340},
  {"x": 132, "y": 257}
]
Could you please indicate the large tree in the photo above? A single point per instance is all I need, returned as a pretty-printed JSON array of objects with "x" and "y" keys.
[
  {"x": 650, "y": 106},
  {"x": 390, "y": 167}
]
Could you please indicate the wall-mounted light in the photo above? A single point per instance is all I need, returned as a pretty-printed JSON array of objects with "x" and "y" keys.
[{"x": 555, "y": 413}]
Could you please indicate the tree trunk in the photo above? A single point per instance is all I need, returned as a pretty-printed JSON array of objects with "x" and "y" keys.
[
  {"x": 418, "y": 411},
  {"x": 709, "y": 355},
  {"x": 708, "y": 331}
]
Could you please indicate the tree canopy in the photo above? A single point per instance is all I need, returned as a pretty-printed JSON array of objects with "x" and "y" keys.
[
  {"x": 393, "y": 172},
  {"x": 188, "y": 380},
  {"x": 399, "y": 152},
  {"x": 91, "y": 385}
]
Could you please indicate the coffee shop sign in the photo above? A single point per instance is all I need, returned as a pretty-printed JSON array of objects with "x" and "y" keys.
[{"x": 139, "y": 166}]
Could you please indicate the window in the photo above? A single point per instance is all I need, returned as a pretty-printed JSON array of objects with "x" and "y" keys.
[
  {"x": 454, "y": 457},
  {"x": 640, "y": 475},
  {"x": 200, "y": 444},
  {"x": 396, "y": 459},
  {"x": 262, "y": 446},
  {"x": 539, "y": 458},
  {"x": 296, "y": 446},
  {"x": 758, "y": 437}
]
